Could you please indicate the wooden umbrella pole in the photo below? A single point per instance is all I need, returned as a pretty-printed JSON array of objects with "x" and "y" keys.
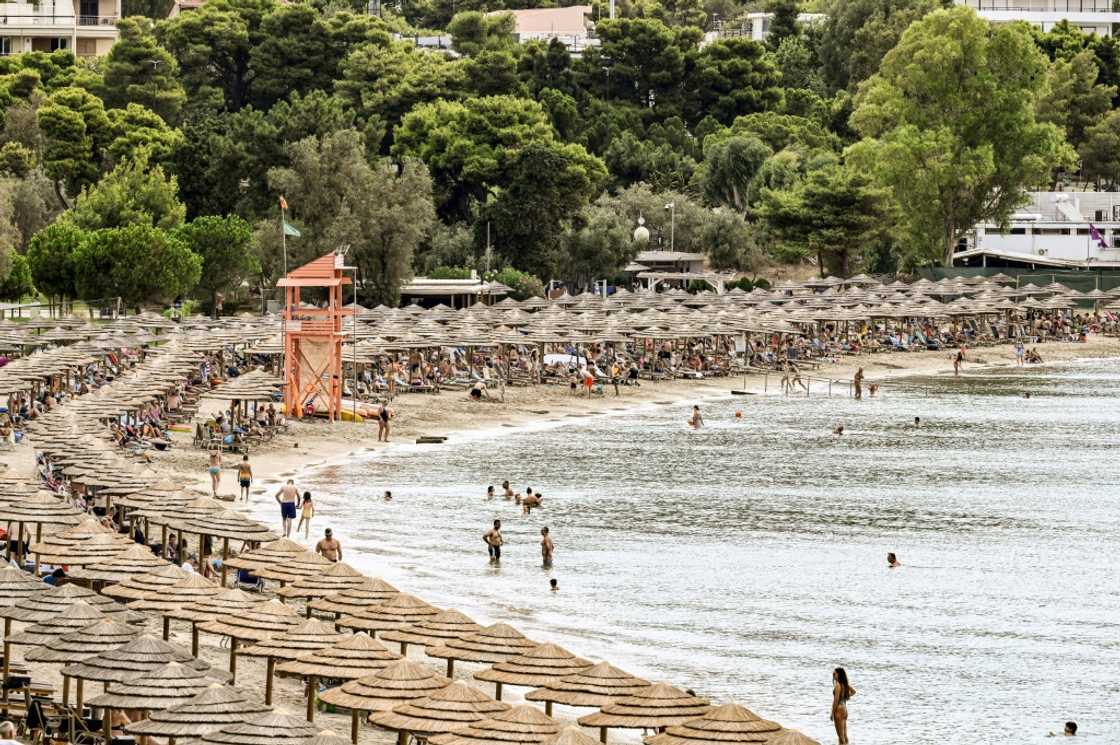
[
  {"x": 233, "y": 659},
  {"x": 450, "y": 666},
  {"x": 225, "y": 558},
  {"x": 7, "y": 656},
  {"x": 166, "y": 628},
  {"x": 498, "y": 691},
  {"x": 194, "y": 639},
  {"x": 269, "y": 666},
  {"x": 79, "y": 697},
  {"x": 108, "y": 724},
  {"x": 402, "y": 737},
  {"x": 548, "y": 708},
  {"x": 65, "y": 690},
  {"x": 354, "y": 726},
  {"x": 602, "y": 734},
  {"x": 312, "y": 689}
]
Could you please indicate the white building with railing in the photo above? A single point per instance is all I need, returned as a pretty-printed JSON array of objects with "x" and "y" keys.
[
  {"x": 1056, "y": 229},
  {"x": 86, "y": 27},
  {"x": 1093, "y": 16}
]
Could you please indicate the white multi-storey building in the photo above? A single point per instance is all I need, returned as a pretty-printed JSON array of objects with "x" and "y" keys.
[
  {"x": 87, "y": 27},
  {"x": 1093, "y": 16},
  {"x": 1055, "y": 230}
]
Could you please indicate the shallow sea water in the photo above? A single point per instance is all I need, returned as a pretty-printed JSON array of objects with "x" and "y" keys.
[{"x": 747, "y": 559}]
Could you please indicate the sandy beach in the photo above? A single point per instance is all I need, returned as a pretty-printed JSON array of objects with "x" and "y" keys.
[{"x": 314, "y": 443}]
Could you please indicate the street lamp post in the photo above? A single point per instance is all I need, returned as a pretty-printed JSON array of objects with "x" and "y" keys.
[{"x": 672, "y": 207}]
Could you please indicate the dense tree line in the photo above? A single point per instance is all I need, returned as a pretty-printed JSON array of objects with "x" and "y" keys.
[{"x": 868, "y": 141}]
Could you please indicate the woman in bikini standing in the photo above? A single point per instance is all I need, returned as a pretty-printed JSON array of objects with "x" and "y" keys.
[{"x": 841, "y": 692}]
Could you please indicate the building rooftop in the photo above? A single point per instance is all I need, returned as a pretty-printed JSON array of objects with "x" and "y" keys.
[
  {"x": 569, "y": 21},
  {"x": 661, "y": 257}
]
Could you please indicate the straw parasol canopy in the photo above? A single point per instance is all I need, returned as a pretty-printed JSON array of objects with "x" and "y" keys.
[
  {"x": 133, "y": 561},
  {"x": 521, "y": 725},
  {"x": 729, "y": 724},
  {"x": 272, "y": 553},
  {"x": 354, "y": 657},
  {"x": 571, "y": 735},
  {"x": 227, "y": 601},
  {"x": 136, "y": 587},
  {"x": 17, "y": 585},
  {"x": 595, "y": 686},
  {"x": 94, "y": 549},
  {"x": 791, "y": 737},
  {"x": 227, "y": 524},
  {"x": 395, "y": 684},
  {"x": 274, "y": 728},
  {"x": 141, "y": 655},
  {"x": 162, "y": 688},
  {"x": 538, "y": 666},
  {"x": 368, "y": 594},
  {"x": 269, "y": 618},
  {"x": 75, "y": 616},
  {"x": 655, "y": 707},
  {"x": 495, "y": 643},
  {"x": 434, "y": 630},
  {"x": 399, "y": 612},
  {"x": 42, "y": 508},
  {"x": 296, "y": 567},
  {"x": 55, "y": 600},
  {"x": 90, "y": 640},
  {"x": 173, "y": 597},
  {"x": 446, "y": 710},
  {"x": 331, "y": 582},
  {"x": 210, "y": 710}
]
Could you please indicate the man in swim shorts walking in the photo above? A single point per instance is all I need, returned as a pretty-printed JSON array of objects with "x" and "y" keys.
[
  {"x": 287, "y": 498},
  {"x": 493, "y": 539}
]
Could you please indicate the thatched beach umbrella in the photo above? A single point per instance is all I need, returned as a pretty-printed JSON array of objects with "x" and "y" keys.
[
  {"x": 132, "y": 562},
  {"x": 73, "y": 617},
  {"x": 229, "y": 525},
  {"x": 93, "y": 550},
  {"x": 267, "y": 619},
  {"x": 338, "y": 578},
  {"x": 132, "y": 659},
  {"x": 396, "y": 684},
  {"x": 268, "y": 554},
  {"x": 446, "y": 710},
  {"x": 162, "y": 688},
  {"x": 173, "y": 597},
  {"x": 535, "y": 668},
  {"x": 495, "y": 643},
  {"x": 138, "y": 586},
  {"x": 730, "y": 724},
  {"x": 309, "y": 636},
  {"x": 434, "y": 630},
  {"x": 228, "y": 601},
  {"x": 268, "y": 729},
  {"x": 296, "y": 567},
  {"x": 595, "y": 686},
  {"x": 399, "y": 612},
  {"x": 791, "y": 737},
  {"x": 55, "y": 600},
  {"x": 216, "y": 707},
  {"x": 572, "y": 735},
  {"x": 81, "y": 644},
  {"x": 326, "y": 737},
  {"x": 356, "y": 656},
  {"x": 656, "y": 707},
  {"x": 366, "y": 595},
  {"x": 16, "y": 585},
  {"x": 521, "y": 725}
]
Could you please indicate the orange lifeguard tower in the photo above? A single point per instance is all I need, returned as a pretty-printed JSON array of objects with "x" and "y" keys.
[{"x": 313, "y": 339}]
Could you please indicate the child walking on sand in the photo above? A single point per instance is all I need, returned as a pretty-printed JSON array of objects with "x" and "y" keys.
[{"x": 307, "y": 511}]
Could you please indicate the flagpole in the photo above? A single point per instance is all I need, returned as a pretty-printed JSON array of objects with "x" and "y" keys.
[{"x": 284, "y": 236}]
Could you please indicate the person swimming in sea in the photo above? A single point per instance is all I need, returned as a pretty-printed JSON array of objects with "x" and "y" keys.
[
  {"x": 696, "y": 421},
  {"x": 892, "y": 561},
  {"x": 838, "y": 429}
]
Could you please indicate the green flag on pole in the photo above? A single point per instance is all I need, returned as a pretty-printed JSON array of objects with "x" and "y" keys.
[{"x": 290, "y": 230}]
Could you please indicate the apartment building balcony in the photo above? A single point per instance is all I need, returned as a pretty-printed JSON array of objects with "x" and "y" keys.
[
  {"x": 1093, "y": 16},
  {"x": 87, "y": 27}
]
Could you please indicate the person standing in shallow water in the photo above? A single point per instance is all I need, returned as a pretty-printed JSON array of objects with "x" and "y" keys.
[
  {"x": 546, "y": 548},
  {"x": 493, "y": 539},
  {"x": 841, "y": 692}
]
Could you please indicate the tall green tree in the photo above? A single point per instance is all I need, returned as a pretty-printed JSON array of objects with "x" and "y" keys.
[
  {"x": 139, "y": 70},
  {"x": 51, "y": 258},
  {"x": 730, "y": 167},
  {"x": 75, "y": 131},
  {"x": 597, "y": 245},
  {"x": 468, "y": 146},
  {"x": 133, "y": 193},
  {"x": 857, "y": 34},
  {"x": 546, "y": 184},
  {"x": 473, "y": 32},
  {"x": 965, "y": 149},
  {"x": 212, "y": 45},
  {"x": 836, "y": 216},
  {"x": 783, "y": 23},
  {"x": 137, "y": 129},
  {"x": 1100, "y": 152},
  {"x": 1072, "y": 98},
  {"x": 224, "y": 244},
  {"x": 18, "y": 284},
  {"x": 733, "y": 77},
  {"x": 138, "y": 264},
  {"x": 645, "y": 61}
]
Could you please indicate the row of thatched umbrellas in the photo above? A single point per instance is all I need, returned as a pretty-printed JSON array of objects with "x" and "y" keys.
[{"x": 98, "y": 639}]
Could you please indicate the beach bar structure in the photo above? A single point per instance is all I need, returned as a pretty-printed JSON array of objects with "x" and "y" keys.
[{"x": 313, "y": 338}]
